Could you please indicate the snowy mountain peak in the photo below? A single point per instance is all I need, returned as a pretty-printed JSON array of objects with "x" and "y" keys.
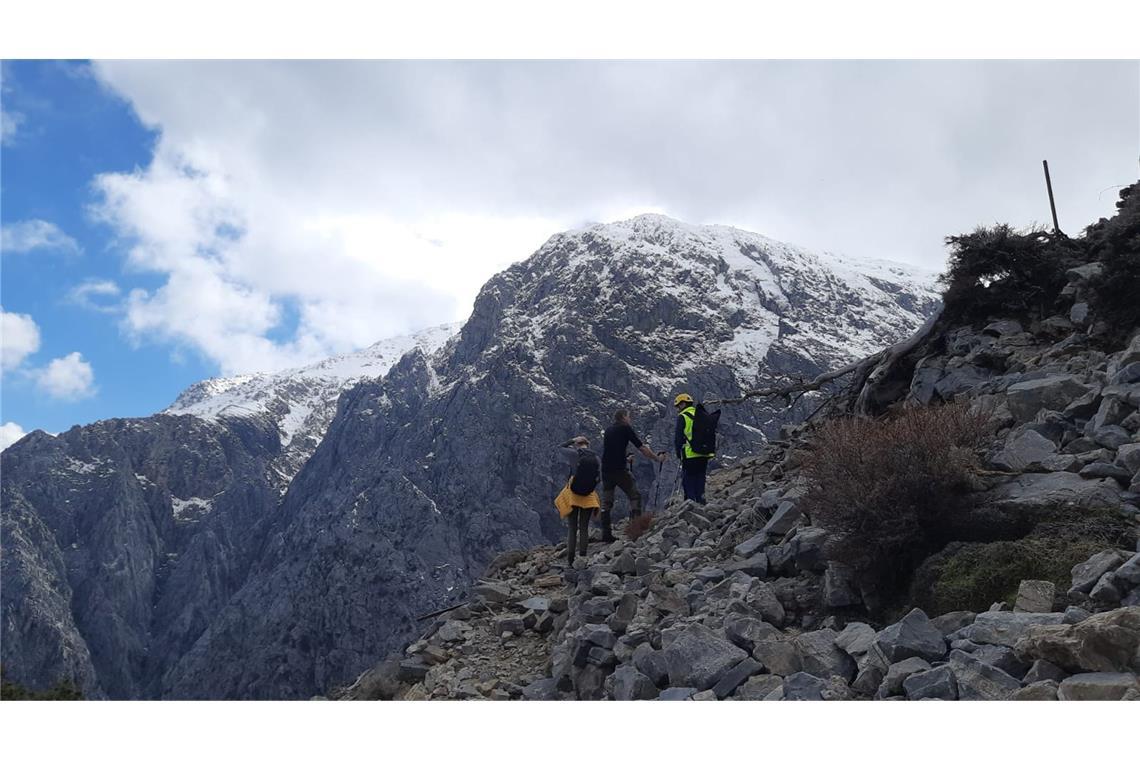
[{"x": 302, "y": 401}]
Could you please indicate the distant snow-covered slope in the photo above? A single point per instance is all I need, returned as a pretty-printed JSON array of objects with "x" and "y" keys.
[{"x": 301, "y": 402}]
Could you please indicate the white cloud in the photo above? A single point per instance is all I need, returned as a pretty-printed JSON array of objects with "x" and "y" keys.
[
  {"x": 67, "y": 378},
  {"x": 294, "y": 209},
  {"x": 10, "y": 432},
  {"x": 10, "y": 122},
  {"x": 97, "y": 295},
  {"x": 35, "y": 234},
  {"x": 21, "y": 338}
]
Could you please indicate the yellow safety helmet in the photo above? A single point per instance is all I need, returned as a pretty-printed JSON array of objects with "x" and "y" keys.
[{"x": 682, "y": 397}]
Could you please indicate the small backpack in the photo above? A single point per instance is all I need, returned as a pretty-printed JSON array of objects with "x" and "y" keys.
[
  {"x": 704, "y": 430},
  {"x": 585, "y": 478}
]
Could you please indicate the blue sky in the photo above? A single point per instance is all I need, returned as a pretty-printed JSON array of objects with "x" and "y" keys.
[
  {"x": 68, "y": 130},
  {"x": 168, "y": 221}
]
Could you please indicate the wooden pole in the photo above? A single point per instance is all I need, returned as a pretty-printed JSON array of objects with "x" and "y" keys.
[{"x": 1052, "y": 205}]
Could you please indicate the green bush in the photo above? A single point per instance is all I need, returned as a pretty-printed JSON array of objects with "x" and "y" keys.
[
  {"x": 64, "y": 690},
  {"x": 1115, "y": 243},
  {"x": 999, "y": 271}
]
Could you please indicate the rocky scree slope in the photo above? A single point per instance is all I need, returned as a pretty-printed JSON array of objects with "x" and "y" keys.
[
  {"x": 741, "y": 599},
  {"x": 738, "y": 600},
  {"x": 424, "y": 476}
]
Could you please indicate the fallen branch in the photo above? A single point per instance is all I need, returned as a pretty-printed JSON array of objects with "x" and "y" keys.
[
  {"x": 785, "y": 391},
  {"x": 870, "y": 372}
]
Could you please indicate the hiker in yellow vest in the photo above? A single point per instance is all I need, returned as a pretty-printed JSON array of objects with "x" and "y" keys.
[
  {"x": 694, "y": 466},
  {"x": 578, "y": 497}
]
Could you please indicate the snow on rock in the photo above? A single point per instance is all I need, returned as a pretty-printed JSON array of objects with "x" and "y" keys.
[{"x": 302, "y": 401}]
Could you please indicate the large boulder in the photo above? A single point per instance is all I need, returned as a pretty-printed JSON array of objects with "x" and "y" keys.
[
  {"x": 652, "y": 663},
  {"x": 759, "y": 687},
  {"x": 936, "y": 683},
  {"x": 1128, "y": 457},
  {"x": 1086, "y": 574},
  {"x": 696, "y": 656},
  {"x": 1104, "y": 642},
  {"x": 913, "y": 636},
  {"x": 1053, "y": 489},
  {"x": 821, "y": 657},
  {"x": 1039, "y": 691},
  {"x": 778, "y": 656},
  {"x": 802, "y": 687},
  {"x": 1027, "y": 398},
  {"x": 897, "y": 673},
  {"x": 761, "y": 599},
  {"x": 1129, "y": 572},
  {"x": 629, "y": 683},
  {"x": 1098, "y": 686},
  {"x": 784, "y": 518},
  {"x": 1005, "y": 628},
  {"x": 746, "y": 630},
  {"x": 977, "y": 680},
  {"x": 1024, "y": 450}
]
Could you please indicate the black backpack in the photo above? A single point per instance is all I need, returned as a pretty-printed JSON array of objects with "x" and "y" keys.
[
  {"x": 704, "y": 430},
  {"x": 585, "y": 478}
]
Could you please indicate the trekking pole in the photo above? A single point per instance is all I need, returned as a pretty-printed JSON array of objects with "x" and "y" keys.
[{"x": 656, "y": 486}]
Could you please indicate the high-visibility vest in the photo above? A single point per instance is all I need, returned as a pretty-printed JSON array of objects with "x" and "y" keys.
[{"x": 688, "y": 413}]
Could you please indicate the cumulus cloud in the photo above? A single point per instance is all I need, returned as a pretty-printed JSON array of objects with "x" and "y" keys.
[
  {"x": 10, "y": 432},
  {"x": 294, "y": 209},
  {"x": 21, "y": 338},
  {"x": 33, "y": 235},
  {"x": 10, "y": 122},
  {"x": 96, "y": 295},
  {"x": 68, "y": 378}
]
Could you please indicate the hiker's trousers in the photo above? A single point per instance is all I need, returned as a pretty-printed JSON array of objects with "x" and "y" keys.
[
  {"x": 622, "y": 479},
  {"x": 693, "y": 471},
  {"x": 577, "y": 532}
]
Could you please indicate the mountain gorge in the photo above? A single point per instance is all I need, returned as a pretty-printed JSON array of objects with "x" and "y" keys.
[{"x": 224, "y": 552}]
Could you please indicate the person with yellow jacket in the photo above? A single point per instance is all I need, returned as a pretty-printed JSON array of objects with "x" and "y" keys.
[
  {"x": 579, "y": 496},
  {"x": 694, "y": 466}
]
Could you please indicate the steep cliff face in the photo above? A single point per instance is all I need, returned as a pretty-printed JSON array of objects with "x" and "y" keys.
[
  {"x": 122, "y": 540},
  {"x": 424, "y": 475}
]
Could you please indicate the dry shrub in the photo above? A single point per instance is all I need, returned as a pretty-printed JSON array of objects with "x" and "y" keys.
[
  {"x": 887, "y": 488},
  {"x": 637, "y": 526}
]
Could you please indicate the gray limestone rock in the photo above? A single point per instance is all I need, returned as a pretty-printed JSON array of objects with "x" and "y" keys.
[
  {"x": 1024, "y": 450},
  {"x": 1097, "y": 686},
  {"x": 977, "y": 680},
  {"x": 912, "y": 636},
  {"x": 803, "y": 687},
  {"x": 821, "y": 657},
  {"x": 698, "y": 657},
  {"x": 630, "y": 684},
  {"x": 759, "y": 687},
  {"x": 1034, "y": 596},
  {"x": 1026, "y": 398},
  {"x": 936, "y": 683},
  {"x": 1086, "y": 574}
]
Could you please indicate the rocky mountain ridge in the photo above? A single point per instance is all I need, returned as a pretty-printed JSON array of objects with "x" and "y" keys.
[
  {"x": 422, "y": 476},
  {"x": 301, "y": 402}
]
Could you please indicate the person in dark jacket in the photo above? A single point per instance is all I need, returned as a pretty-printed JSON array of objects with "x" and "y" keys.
[
  {"x": 694, "y": 466},
  {"x": 575, "y": 507},
  {"x": 615, "y": 472}
]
